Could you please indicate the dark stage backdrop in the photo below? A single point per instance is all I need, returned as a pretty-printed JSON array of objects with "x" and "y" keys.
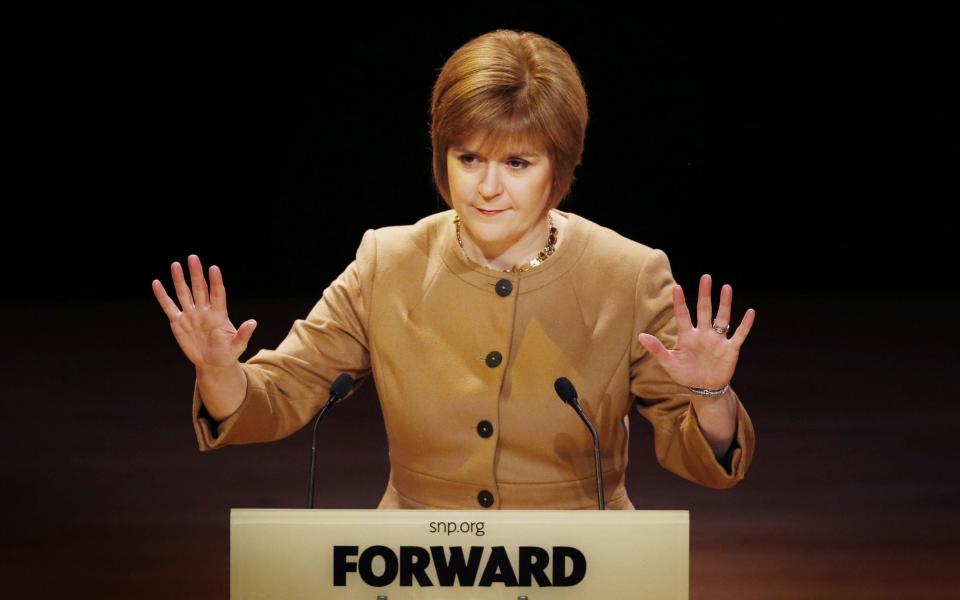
[
  {"x": 792, "y": 154},
  {"x": 809, "y": 160}
]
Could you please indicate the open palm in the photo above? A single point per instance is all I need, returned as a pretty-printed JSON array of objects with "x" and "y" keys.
[
  {"x": 201, "y": 326},
  {"x": 702, "y": 357}
]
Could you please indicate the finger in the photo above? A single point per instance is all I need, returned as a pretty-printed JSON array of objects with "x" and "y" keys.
[
  {"x": 681, "y": 311},
  {"x": 201, "y": 296},
  {"x": 726, "y": 301},
  {"x": 655, "y": 347},
  {"x": 745, "y": 325},
  {"x": 169, "y": 306},
  {"x": 183, "y": 290},
  {"x": 244, "y": 333},
  {"x": 704, "y": 305},
  {"x": 218, "y": 293}
]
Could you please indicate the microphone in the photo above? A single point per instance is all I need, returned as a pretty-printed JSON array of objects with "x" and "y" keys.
[
  {"x": 568, "y": 394},
  {"x": 340, "y": 388}
]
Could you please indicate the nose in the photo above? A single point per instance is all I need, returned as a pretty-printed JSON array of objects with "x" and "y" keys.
[{"x": 490, "y": 184}]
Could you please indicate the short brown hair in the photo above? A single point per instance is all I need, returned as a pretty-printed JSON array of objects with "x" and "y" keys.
[{"x": 511, "y": 86}]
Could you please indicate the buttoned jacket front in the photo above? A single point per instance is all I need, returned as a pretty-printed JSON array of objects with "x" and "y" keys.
[{"x": 464, "y": 359}]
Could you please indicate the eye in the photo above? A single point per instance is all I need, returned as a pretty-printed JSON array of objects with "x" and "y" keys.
[{"x": 517, "y": 164}]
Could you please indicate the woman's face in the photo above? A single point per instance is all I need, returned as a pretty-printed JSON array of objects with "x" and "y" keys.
[{"x": 516, "y": 183}]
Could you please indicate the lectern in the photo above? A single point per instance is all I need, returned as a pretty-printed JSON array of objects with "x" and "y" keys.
[{"x": 451, "y": 554}]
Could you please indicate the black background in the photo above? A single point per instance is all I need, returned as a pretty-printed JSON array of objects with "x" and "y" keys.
[{"x": 785, "y": 154}]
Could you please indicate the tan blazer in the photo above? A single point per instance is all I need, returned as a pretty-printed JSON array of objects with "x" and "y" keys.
[{"x": 464, "y": 359}]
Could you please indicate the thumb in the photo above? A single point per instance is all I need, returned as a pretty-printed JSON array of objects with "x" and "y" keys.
[
  {"x": 653, "y": 345},
  {"x": 244, "y": 333}
]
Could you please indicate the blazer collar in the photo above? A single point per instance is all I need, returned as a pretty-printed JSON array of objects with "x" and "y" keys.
[{"x": 573, "y": 242}]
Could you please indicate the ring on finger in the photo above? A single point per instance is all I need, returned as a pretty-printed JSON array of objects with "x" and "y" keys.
[{"x": 722, "y": 330}]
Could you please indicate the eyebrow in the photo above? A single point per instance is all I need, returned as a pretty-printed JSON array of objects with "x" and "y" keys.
[{"x": 521, "y": 154}]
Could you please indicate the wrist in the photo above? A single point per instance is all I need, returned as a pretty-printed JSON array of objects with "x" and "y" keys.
[
  {"x": 214, "y": 371},
  {"x": 709, "y": 391}
]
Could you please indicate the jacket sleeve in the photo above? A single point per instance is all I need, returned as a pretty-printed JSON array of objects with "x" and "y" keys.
[
  {"x": 286, "y": 387},
  {"x": 680, "y": 445}
]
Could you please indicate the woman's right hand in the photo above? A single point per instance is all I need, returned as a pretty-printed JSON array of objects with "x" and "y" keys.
[{"x": 201, "y": 326}]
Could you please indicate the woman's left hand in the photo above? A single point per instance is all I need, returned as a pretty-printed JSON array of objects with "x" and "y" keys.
[{"x": 702, "y": 357}]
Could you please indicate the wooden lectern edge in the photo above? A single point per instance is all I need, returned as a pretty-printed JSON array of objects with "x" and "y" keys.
[{"x": 304, "y": 515}]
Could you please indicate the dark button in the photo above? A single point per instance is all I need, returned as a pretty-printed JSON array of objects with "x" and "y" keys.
[
  {"x": 485, "y": 499},
  {"x": 485, "y": 429},
  {"x": 504, "y": 287},
  {"x": 494, "y": 359}
]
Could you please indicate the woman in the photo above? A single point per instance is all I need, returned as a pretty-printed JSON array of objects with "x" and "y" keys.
[{"x": 466, "y": 319}]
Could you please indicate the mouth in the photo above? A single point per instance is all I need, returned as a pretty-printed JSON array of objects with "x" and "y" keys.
[{"x": 490, "y": 212}]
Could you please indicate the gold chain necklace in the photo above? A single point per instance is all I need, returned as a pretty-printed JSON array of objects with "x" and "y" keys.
[{"x": 539, "y": 258}]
